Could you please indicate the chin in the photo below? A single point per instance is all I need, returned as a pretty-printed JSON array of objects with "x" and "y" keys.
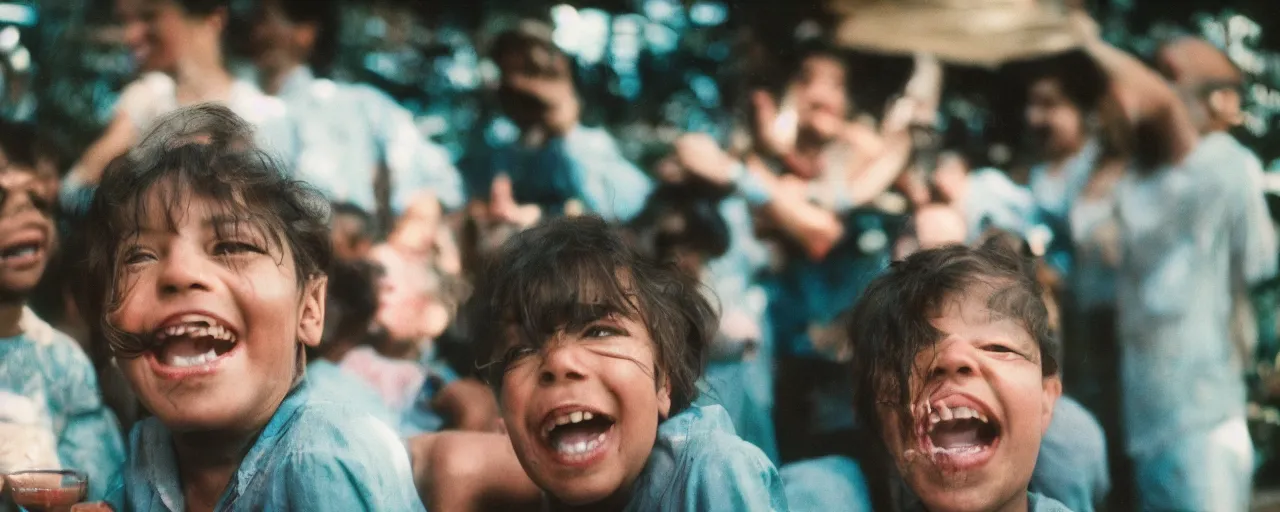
[{"x": 580, "y": 492}]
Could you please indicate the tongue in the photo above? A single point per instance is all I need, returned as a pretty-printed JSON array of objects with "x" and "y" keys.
[
  {"x": 579, "y": 433},
  {"x": 956, "y": 438}
]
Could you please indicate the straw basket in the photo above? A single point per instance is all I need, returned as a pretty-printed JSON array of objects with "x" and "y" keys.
[{"x": 968, "y": 32}]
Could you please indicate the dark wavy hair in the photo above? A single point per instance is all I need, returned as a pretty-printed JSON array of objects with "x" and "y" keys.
[
  {"x": 891, "y": 324},
  {"x": 568, "y": 272},
  {"x": 207, "y": 151}
]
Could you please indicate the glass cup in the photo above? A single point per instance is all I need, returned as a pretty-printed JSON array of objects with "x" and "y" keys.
[{"x": 47, "y": 490}]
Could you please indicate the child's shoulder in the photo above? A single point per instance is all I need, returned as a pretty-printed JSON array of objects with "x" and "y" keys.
[
  {"x": 63, "y": 353},
  {"x": 703, "y": 437}
]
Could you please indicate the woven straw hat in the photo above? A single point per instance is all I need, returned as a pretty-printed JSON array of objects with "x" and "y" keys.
[{"x": 969, "y": 32}]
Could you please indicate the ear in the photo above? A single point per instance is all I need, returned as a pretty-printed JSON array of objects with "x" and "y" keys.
[
  {"x": 664, "y": 398},
  {"x": 1052, "y": 391},
  {"x": 304, "y": 36},
  {"x": 1224, "y": 104},
  {"x": 311, "y": 315}
]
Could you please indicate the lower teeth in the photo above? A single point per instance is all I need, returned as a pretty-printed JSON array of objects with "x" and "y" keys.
[
  {"x": 196, "y": 360},
  {"x": 580, "y": 447}
]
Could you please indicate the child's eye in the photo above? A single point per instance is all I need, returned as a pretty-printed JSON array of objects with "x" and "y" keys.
[
  {"x": 229, "y": 247},
  {"x": 602, "y": 331},
  {"x": 136, "y": 256},
  {"x": 516, "y": 354}
]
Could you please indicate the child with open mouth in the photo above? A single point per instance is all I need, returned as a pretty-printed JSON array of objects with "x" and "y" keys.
[
  {"x": 593, "y": 352},
  {"x": 952, "y": 351},
  {"x": 206, "y": 267}
]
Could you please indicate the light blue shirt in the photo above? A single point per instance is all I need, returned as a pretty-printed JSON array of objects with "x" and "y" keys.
[
  {"x": 827, "y": 484},
  {"x": 1072, "y": 466},
  {"x": 584, "y": 165},
  {"x": 51, "y": 375},
  {"x": 698, "y": 463},
  {"x": 995, "y": 201},
  {"x": 1054, "y": 195},
  {"x": 342, "y": 133},
  {"x": 329, "y": 382},
  {"x": 1186, "y": 236},
  {"x": 312, "y": 455}
]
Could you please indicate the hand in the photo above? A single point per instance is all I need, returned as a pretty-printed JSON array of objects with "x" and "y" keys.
[
  {"x": 503, "y": 207},
  {"x": 699, "y": 154},
  {"x": 468, "y": 404},
  {"x": 775, "y": 130}
]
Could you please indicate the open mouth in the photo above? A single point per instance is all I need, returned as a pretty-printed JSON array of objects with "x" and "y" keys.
[
  {"x": 192, "y": 341},
  {"x": 577, "y": 436},
  {"x": 24, "y": 251},
  {"x": 958, "y": 436}
]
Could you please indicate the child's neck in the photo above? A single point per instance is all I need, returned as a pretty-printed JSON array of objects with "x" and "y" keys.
[
  {"x": 207, "y": 461},
  {"x": 616, "y": 502},
  {"x": 11, "y": 318}
]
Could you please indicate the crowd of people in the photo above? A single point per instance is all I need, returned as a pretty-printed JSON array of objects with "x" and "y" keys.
[{"x": 280, "y": 296}]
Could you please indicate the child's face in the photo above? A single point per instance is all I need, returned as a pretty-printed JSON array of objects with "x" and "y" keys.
[
  {"x": 980, "y": 406},
  {"x": 406, "y": 309},
  {"x": 583, "y": 412},
  {"x": 349, "y": 242},
  {"x": 224, "y": 312},
  {"x": 26, "y": 231}
]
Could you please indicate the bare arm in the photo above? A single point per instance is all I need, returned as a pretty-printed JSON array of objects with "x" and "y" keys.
[
  {"x": 115, "y": 141},
  {"x": 466, "y": 471}
]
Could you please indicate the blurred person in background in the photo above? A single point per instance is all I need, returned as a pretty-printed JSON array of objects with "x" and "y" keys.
[
  {"x": 344, "y": 134},
  {"x": 1185, "y": 237},
  {"x": 556, "y": 164},
  {"x": 177, "y": 48},
  {"x": 415, "y": 306},
  {"x": 1080, "y": 136},
  {"x": 812, "y": 173},
  {"x": 351, "y": 302},
  {"x": 1211, "y": 86}
]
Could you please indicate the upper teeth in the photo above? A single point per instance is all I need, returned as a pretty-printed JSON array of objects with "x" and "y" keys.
[
  {"x": 565, "y": 419},
  {"x": 943, "y": 413},
  {"x": 197, "y": 326}
]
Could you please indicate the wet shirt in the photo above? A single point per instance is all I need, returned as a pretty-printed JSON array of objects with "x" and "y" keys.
[
  {"x": 1072, "y": 466},
  {"x": 584, "y": 165},
  {"x": 330, "y": 382},
  {"x": 1185, "y": 233},
  {"x": 827, "y": 484},
  {"x": 51, "y": 410},
  {"x": 340, "y": 134},
  {"x": 698, "y": 463},
  {"x": 312, "y": 455}
]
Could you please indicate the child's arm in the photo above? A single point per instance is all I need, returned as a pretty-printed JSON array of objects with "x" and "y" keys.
[{"x": 467, "y": 471}]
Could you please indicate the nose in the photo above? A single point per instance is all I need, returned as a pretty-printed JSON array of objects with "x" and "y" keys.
[
  {"x": 954, "y": 359},
  {"x": 562, "y": 363},
  {"x": 184, "y": 270}
]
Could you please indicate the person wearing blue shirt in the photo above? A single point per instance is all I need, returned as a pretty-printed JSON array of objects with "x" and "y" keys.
[
  {"x": 595, "y": 367},
  {"x": 556, "y": 160},
  {"x": 342, "y": 134},
  {"x": 226, "y": 289},
  {"x": 51, "y": 409}
]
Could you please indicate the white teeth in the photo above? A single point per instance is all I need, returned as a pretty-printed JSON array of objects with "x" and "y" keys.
[
  {"x": 600, "y": 439},
  {"x": 946, "y": 413},
  {"x": 586, "y": 416},
  {"x": 196, "y": 360},
  {"x": 563, "y": 420},
  {"x": 575, "y": 417},
  {"x": 982, "y": 417},
  {"x": 575, "y": 450}
]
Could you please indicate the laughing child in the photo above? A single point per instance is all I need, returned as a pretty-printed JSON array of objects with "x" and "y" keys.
[
  {"x": 51, "y": 412},
  {"x": 206, "y": 267},
  {"x": 593, "y": 353},
  {"x": 952, "y": 351}
]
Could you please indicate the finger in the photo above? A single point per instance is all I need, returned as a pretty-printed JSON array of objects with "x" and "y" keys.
[{"x": 501, "y": 196}]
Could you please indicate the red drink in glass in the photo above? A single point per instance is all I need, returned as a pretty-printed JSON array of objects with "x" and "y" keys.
[{"x": 47, "y": 491}]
